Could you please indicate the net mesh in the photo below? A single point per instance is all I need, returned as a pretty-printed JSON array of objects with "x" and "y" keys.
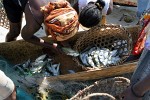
[
  {"x": 112, "y": 86},
  {"x": 4, "y": 22}
]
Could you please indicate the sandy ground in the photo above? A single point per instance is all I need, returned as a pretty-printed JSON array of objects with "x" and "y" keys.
[{"x": 113, "y": 18}]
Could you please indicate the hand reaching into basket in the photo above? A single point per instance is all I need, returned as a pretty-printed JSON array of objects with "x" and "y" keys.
[{"x": 57, "y": 48}]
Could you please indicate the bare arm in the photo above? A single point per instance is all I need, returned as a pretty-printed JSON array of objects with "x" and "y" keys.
[
  {"x": 33, "y": 24},
  {"x": 28, "y": 35}
]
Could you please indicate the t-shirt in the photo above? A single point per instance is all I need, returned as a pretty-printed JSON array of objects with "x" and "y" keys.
[
  {"x": 6, "y": 86},
  {"x": 83, "y": 3}
]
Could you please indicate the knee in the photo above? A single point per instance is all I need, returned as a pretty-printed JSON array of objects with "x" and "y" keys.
[{"x": 12, "y": 34}]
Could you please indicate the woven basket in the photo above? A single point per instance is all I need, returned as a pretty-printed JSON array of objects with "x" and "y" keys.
[
  {"x": 113, "y": 87},
  {"x": 104, "y": 37},
  {"x": 4, "y": 22}
]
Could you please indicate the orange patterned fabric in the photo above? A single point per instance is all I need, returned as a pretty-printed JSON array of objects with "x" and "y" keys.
[{"x": 61, "y": 20}]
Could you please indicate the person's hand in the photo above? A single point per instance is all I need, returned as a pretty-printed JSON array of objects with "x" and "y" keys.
[
  {"x": 128, "y": 95},
  {"x": 57, "y": 47}
]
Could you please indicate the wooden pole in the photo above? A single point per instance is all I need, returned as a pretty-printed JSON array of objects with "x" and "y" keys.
[{"x": 96, "y": 74}]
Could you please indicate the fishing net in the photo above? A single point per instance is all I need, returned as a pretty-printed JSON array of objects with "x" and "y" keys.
[
  {"x": 112, "y": 37},
  {"x": 37, "y": 84},
  {"x": 4, "y": 22},
  {"x": 109, "y": 89},
  {"x": 26, "y": 83}
]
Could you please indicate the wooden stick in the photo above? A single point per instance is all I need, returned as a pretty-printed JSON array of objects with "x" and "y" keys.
[{"x": 96, "y": 74}]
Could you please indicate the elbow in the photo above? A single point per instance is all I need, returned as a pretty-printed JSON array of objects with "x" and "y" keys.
[{"x": 25, "y": 37}]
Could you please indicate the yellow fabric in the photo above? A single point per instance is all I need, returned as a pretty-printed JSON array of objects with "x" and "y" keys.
[{"x": 103, "y": 21}]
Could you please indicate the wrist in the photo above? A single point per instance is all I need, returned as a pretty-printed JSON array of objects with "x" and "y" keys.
[{"x": 136, "y": 91}]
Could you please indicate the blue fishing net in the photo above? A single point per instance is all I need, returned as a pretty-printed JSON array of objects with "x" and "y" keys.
[{"x": 7, "y": 68}]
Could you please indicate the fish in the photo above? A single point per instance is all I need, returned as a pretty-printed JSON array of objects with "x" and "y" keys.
[
  {"x": 71, "y": 71},
  {"x": 96, "y": 60},
  {"x": 113, "y": 53},
  {"x": 41, "y": 58},
  {"x": 90, "y": 61},
  {"x": 37, "y": 66},
  {"x": 70, "y": 52},
  {"x": 27, "y": 64},
  {"x": 53, "y": 68},
  {"x": 96, "y": 57},
  {"x": 83, "y": 57}
]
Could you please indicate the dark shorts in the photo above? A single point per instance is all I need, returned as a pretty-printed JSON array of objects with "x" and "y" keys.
[{"x": 13, "y": 10}]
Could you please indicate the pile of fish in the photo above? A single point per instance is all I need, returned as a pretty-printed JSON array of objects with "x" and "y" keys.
[
  {"x": 42, "y": 65},
  {"x": 99, "y": 57}
]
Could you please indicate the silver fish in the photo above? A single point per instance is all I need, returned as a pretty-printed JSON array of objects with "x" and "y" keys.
[
  {"x": 27, "y": 64},
  {"x": 96, "y": 60},
  {"x": 113, "y": 53},
  {"x": 90, "y": 61},
  {"x": 71, "y": 71},
  {"x": 83, "y": 57},
  {"x": 54, "y": 69},
  {"x": 41, "y": 58},
  {"x": 70, "y": 52},
  {"x": 37, "y": 67}
]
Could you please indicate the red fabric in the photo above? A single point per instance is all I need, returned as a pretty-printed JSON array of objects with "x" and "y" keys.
[{"x": 139, "y": 46}]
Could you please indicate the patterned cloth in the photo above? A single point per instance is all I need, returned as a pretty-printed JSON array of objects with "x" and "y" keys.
[{"x": 61, "y": 20}]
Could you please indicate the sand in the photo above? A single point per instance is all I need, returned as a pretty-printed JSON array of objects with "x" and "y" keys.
[{"x": 113, "y": 18}]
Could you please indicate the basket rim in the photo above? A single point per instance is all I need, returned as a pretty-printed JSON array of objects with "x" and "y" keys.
[{"x": 114, "y": 79}]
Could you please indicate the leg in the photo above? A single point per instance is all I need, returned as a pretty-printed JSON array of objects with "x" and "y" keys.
[
  {"x": 14, "y": 31},
  {"x": 14, "y": 14}
]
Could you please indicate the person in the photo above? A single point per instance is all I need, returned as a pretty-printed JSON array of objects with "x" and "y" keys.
[
  {"x": 93, "y": 12},
  {"x": 139, "y": 87},
  {"x": 35, "y": 17}
]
